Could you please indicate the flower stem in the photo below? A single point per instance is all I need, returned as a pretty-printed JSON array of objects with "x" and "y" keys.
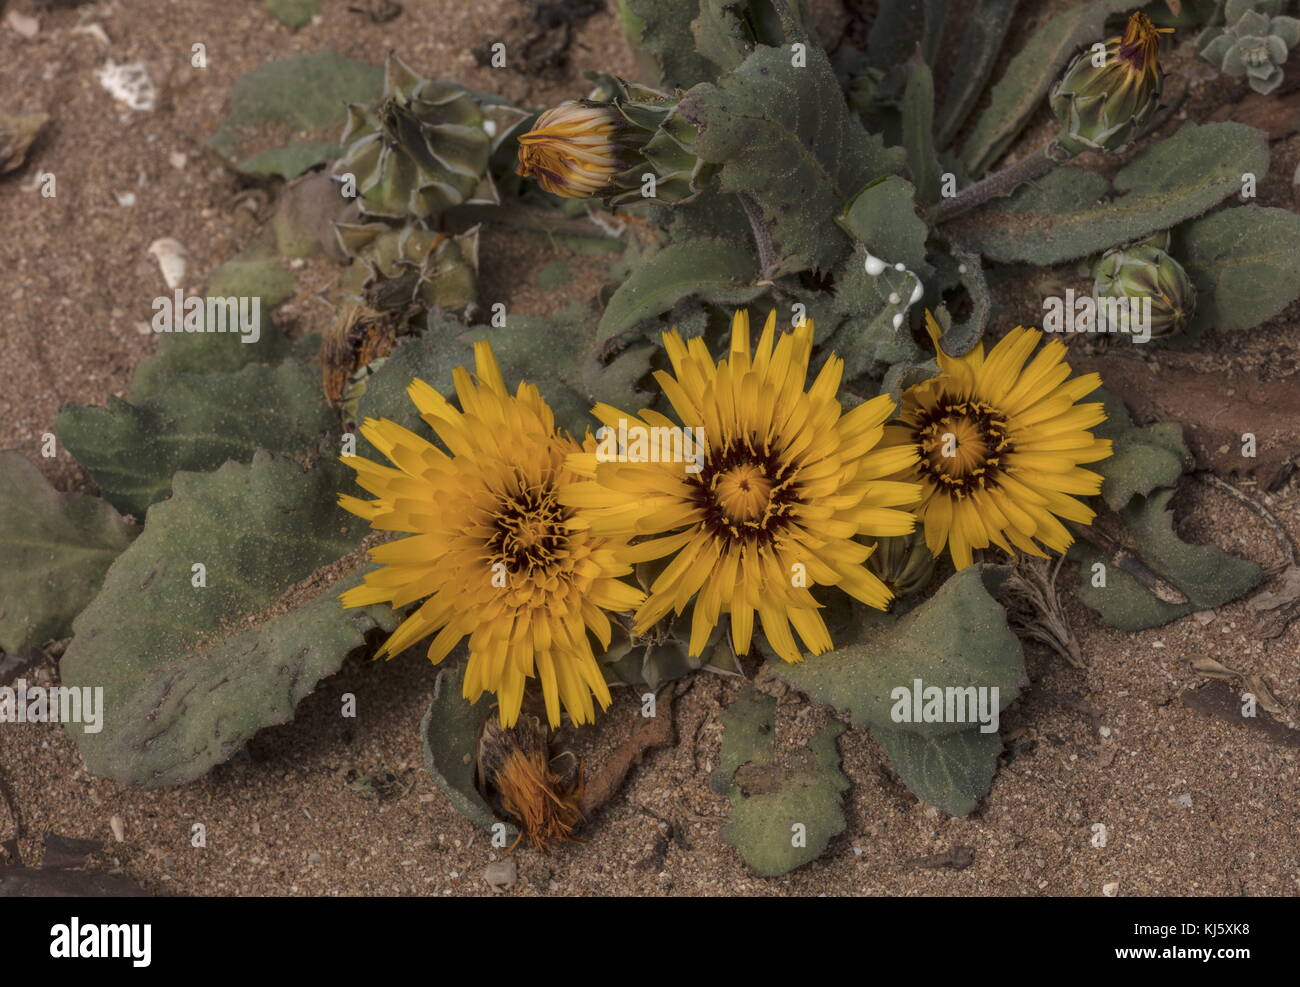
[
  {"x": 767, "y": 258},
  {"x": 997, "y": 185}
]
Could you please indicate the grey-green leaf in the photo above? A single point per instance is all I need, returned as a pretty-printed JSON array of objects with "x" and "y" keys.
[
  {"x": 785, "y": 136},
  {"x": 783, "y": 812},
  {"x": 957, "y": 638},
  {"x": 952, "y": 772},
  {"x": 1058, "y": 219},
  {"x": 196, "y": 423},
  {"x": 661, "y": 30},
  {"x": 1206, "y": 575},
  {"x": 1029, "y": 76},
  {"x": 1142, "y": 459},
  {"x": 981, "y": 42},
  {"x": 294, "y": 13},
  {"x": 882, "y": 217},
  {"x": 190, "y": 672},
  {"x": 449, "y": 734},
  {"x": 56, "y": 549},
  {"x": 711, "y": 270},
  {"x": 296, "y": 108},
  {"x": 918, "y": 131},
  {"x": 1245, "y": 263}
]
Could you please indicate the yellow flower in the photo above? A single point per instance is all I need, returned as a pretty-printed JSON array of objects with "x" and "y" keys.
[
  {"x": 1001, "y": 446},
  {"x": 785, "y": 483},
  {"x": 573, "y": 150},
  {"x": 1139, "y": 48},
  {"x": 494, "y": 555}
]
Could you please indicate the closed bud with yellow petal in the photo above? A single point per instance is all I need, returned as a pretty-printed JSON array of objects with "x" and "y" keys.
[
  {"x": 625, "y": 143},
  {"x": 1105, "y": 98}
]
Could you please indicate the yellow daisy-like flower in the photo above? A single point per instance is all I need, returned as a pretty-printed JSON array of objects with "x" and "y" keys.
[
  {"x": 1001, "y": 446},
  {"x": 495, "y": 553},
  {"x": 771, "y": 505},
  {"x": 573, "y": 150}
]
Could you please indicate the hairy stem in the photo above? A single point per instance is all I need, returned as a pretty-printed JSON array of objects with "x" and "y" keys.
[
  {"x": 767, "y": 258},
  {"x": 997, "y": 185}
]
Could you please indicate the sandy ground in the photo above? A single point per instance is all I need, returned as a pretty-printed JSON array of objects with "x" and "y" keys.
[{"x": 1192, "y": 805}]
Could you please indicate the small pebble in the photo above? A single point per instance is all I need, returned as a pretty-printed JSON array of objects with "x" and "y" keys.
[
  {"x": 501, "y": 875},
  {"x": 119, "y": 830}
]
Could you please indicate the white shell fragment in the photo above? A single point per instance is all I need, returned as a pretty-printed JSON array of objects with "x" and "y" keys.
[
  {"x": 27, "y": 27},
  {"x": 129, "y": 83},
  {"x": 171, "y": 258}
]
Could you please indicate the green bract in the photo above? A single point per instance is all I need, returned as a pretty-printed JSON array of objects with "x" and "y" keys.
[
  {"x": 1102, "y": 102},
  {"x": 1147, "y": 271},
  {"x": 422, "y": 149}
]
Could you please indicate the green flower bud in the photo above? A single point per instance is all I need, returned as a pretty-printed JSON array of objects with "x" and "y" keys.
[
  {"x": 1146, "y": 271},
  {"x": 903, "y": 563},
  {"x": 1105, "y": 98},
  {"x": 422, "y": 149}
]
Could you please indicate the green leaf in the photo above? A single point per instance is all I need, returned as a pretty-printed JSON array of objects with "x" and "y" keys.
[
  {"x": 1176, "y": 179},
  {"x": 748, "y": 725},
  {"x": 771, "y": 800},
  {"x": 190, "y": 673},
  {"x": 918, "y": 131},
  {"x": 1206, "y": 575},
  {"x": 449, "y": 734},
  {"x": 553, "y": 353},
  {"x": 785, "y": 137},
  {"x": 981, "y": 43},
  {"x": 56, "y": 549},
  {"x": 1142, "y": 460},
  {"x": 197, "y": 423},
  {"x": 882, "y": 217},
  {"x": 862, "y": 323},
  {"x": 1029, "y": 76},
  {"x": 900, "y": 26},
  {"x": 661, "y": 29},
  {"x": 295, "y": 107},
  {"x": 1244, "y": 263},
  {"x": 252, "y": 274},
  {"x": 952, "y": 772},
  {"x": 720, "y": 34},
  {"x": 294, "y": 13},
  {"x": 709, "y": 269},
  {"x": 960, "y": 338},
  {"x": 957, "y": 638}
]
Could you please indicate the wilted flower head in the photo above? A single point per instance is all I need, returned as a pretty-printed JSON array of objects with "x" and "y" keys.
[
  {"x": 1104, "y": 98},
  {"x": 575, "y": 149},
  {"x": 515, "y": 767}
]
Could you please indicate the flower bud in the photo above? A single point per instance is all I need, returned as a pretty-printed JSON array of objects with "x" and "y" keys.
[
  {"x": 1104, "y": 99},
  {"x": 577, "y": 149},
  {"x": 625, "y": 143},
  {"x": 1146, "y": 271},
  {"x": 903, "y": 563}
]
